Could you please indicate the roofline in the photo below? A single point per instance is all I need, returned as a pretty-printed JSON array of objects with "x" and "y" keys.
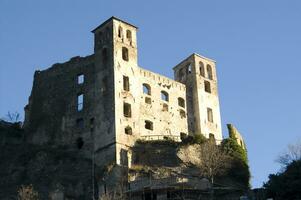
[
  {"x": 111, "y": 18},
  {"x": 193, "y": 54}
]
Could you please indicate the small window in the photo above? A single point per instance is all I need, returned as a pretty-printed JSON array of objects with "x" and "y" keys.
[
  {"x": 209, "y": 72},
  {"x": 80, "y": 102},
  {"x": 207, "y": 86},
  {"x": 148, "y": 100},
  {"x": 125, "y": 54},
  {"x": 209, "y": 115},
  {"x": 129, "y": 35},
  {"x": 79, "y": 142},
  {"x": 182, "y": 114},
  {"x": 80, "y": 79},
  {"x": 181, "y": 102},
  {"x": 146, "y": 89},
  {"x": 164, "y": 96},
  {"x": 128, "y": 130},
  {"x": 189, "y": 69},
  {"x": 211, "y": 137},
  {"x": 126, "y": 83},
  {"x": 202, "y": 70},
  {"x": 80, "y": 123},
  {"x": 120, "y": 32},
  {"x": 148, "y": 125},
  {"x": 127, "y": 112},
  {"x": 165, "y": 107}
]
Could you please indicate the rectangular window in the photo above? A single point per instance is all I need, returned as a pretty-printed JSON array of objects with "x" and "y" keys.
[
  {"x": 209, "y": 115},
  {"x": 80, "y": 79},
  {"x": 148, "y": 100},
  {"x": 127, "y": 112},
  {"x": 207, "y": 86},
  {"x": 80, "y": 102},
  {"x": 148, "y": 125},
  {"x": 126, "y": 83}
]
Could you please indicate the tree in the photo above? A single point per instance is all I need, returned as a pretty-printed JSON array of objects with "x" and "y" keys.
[
  {"x": 208, "y": 157},
  {"x": 286, "y": 184},
  {"x": 292, "y": 153},
  {"x": 27, "y": 193}
]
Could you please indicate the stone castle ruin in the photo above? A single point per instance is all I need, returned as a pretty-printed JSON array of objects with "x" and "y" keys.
[{"x": 105, "y": 101}]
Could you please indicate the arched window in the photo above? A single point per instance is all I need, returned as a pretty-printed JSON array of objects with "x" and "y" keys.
[
  {"x": 146, "y": 89},
  {"x": 202, "y": 70},
  {"x": 209, "y": 72},
  {"x": 120, "y": 32},
  {"x": 182, "y": 113},
  {"x": 128, "y": 130},
  {"x": 148, "y": 125},
  {"x": 189, "y": 69},
  {"x": 125, "y": 54},
  {"x": 181, "y": 102},
  {"x": 165, "y": 107},
  {"x": 129, "y": 35},
  {"x": 164, "y": 96}
]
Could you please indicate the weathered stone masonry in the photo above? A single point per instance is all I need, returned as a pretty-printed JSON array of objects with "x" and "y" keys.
[{"x": 102, "y": 103}]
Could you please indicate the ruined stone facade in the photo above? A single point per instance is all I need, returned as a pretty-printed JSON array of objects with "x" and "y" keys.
[{"x": 102, "y": 103}]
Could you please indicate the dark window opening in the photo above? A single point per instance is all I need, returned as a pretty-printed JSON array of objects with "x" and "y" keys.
[
  {"x": 165, "y": 107},
  {"x": 129, "y": 35},
  {"x": 148, "y": 125},
  {"x": 91, "y": 124},
  {"x": 211, "y": 137},
  {"x": 120, "y": 32},
  {"x": 146, "y": 89},
  {"x": 80, "y": 79},
  {"x": 164, "y": 96},
  {"x": 209, "y": 72},
  {"x": 148, "y": 100},
  {"x": 202, "y": 71},
  {"x": 80, "y": 123},
  {"x": 182, "y": 114},
  {"x": 181, "y": 102},
  {"x": 79, "y": 143},
  {"x": 126, "y": 83},
  {"x": 189, "y": 69},
  {"x": 207, "y": 86},
  {"x": 125, "y": 54},
  {"x": 128, "y": 130},
  {"x": 127, "y": 112},
  {"x": 209, "y": 115},
  {"x": 80, "y": 102}
]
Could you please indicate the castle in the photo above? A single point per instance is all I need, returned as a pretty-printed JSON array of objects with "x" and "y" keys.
[{"x": 105, "y": 101}]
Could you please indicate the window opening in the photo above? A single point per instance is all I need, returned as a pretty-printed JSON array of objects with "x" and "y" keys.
[
  {"x": 80, "y": 102},
  {"x": 146, "y": 89},
  {"x": 209, "y": 115},
  {"x": 126, "y": 83},
  {"x": 209, "y": 72},
  {"x": 128, "y": 130},
  {"x": 127, "y": 110},
  {"x": 164, "y": 96},
  {"x": 202, "y": 71},
  {"x": 80, "y": 79},
  {"x": 181, "y": 102},
  {"x": 207, "y": 86},
  {"x": 148, "y": 125},
  {"x": 125, "y": 54}
]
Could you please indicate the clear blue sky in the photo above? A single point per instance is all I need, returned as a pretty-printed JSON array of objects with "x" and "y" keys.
[{"x": 257, "y": 46}]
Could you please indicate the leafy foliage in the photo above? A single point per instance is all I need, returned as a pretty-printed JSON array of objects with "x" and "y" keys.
[
  {"x": 239, "y": 169},
  {"x": 286, "y": 185}
]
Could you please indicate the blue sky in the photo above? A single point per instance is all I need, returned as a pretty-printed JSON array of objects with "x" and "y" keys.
[{"x": 257, "y": 46}]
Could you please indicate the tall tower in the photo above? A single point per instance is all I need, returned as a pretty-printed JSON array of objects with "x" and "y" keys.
[
  {"x": 198, "y": 73},
  {"x": 116, "y": 56}
]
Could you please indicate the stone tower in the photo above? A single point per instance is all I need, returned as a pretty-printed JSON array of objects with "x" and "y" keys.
[{"x": 198, "y": 73}]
